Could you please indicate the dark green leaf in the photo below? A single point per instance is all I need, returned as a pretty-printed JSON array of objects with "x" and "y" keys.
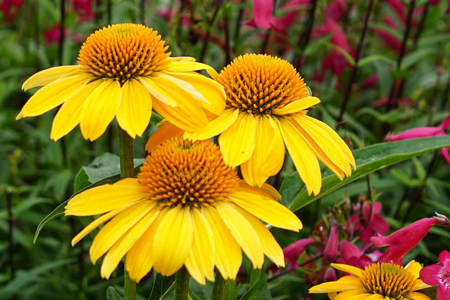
[
  {"x": 259, "y": 290},
  {"x": 111, "y": 294},
  {"x": 368, "y": 160},
  {"x": 162, "y": 286}
]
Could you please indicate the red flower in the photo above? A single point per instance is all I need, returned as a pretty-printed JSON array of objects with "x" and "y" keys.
[
  {"x": 390, "y": 40},
  {"x": 352, "y": 255},
  {"x": 84, "y": 9},
  {"x": 52, "y": 35},
  {"x": 294, "y": 250},
  {"x": 10, "y": 8},
  {"x": 331, "y": 249},
  {"x": 439, "y": 275}
]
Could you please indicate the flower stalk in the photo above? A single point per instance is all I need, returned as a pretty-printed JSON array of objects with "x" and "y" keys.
[
  {"x": 220, "y": 288},
  {"x": 182, "y": 284}
]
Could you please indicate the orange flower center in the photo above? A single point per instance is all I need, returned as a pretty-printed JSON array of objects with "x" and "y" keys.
[
  {"x": 257, "y": 84},
  {"x": 192, "y": 174},
  {"x": 388, "y": 280},
  {"x": 123, "y": 51}
]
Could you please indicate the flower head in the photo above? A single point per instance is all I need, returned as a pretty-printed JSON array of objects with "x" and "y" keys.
[
  {"x": 439, "y": 275},
  {"x": 266, "y": 109},
  {"x": 376, "y": 281},
  {"x": 186, "y": 207},
  {"x": 123, "y": 71}
]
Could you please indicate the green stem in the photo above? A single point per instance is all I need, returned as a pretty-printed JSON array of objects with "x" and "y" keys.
[
  {"x": 220, "y": 288},
  {"x": 126, "y": 154},
  {"x": 182, "y": 284}
]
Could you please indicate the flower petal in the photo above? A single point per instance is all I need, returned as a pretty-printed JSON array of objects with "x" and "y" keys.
[
  {"x": 343, "y": 284},
  {"x": 297, "y": 106},
  {"x": 348, "y": 269},
  {"x": 117, "y": 227},
  {"x": 105, "y": 198},
  {"x": 52, "y": 95},
  {"x": 100, "y": 108},
  {"x": 228, "y": 257},
  {"x": 69, "y": 115},
  {"x": 430, "y": 274},
  {"x": 267, "y": 191},
  {"x": 157, "y": 92},
  {"x": 414, "y": 268},
  {"x": 171, "y": 83},
  {"x": 46, "y": 76},
  {"x": 303, "y": 156},
  {"x": 417, "y": 296},
  {"x": 173, "y": 241},
  {"x": 214, "y": 127},
  {"x": 135, "y": 108},
  {"x": 244, "y": 131},
  {"x": 269, "y": 211},
  {"x": 162, "y": 134},
  {"x": 200, "y": 262},
  {"x": 243, "y": 232},
  {"x": 345, "y": 295}
]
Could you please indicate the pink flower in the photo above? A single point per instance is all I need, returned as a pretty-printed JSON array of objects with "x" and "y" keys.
[
  {"x": 370, "y": 82},
  {"x": 376, "y": 223},
  {"x": 331, "y": 249},
  {"x": 335, "y": 10},
  {"x": 10, "y": 8},
  {"x": 52, "y": 35},
  {"x": 294, "y": 250},
  {"x": 390, "y": 41},
  {"x": 403, "y": 240},
  {"x": 439, "y": 275},
  {"x": 84, "y": 9},
  {"x": 424, "y": 132},
  {"x": 385, "y": 101},
  {"x": 352, "y": 255},
  {"x": 434, "y": 2},
  {"x": 262, "y": 15}
]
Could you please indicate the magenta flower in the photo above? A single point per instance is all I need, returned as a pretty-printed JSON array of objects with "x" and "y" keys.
[
  {"x": 434, "y": 2},
  {"x": 376, "y": 223},
  {"x": 389, "y": 40},
  {"x": 84, "y": 9},
  {"x": 352, "y": 255},
  {"x": 336, "y": 9},
  {"x": 294, "y": 250},
  {"x": 331, "y": 249},
  {"x": 10, "y": 8},
  {"x": 439, "y": 275},
  {"x": 403, "y": 240},
  {"x": 385, "y": 101},
  {"x": 424, "y": 132},
  {"x": 52, "y": 35}
]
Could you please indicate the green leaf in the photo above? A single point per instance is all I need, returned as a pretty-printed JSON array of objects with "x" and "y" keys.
[
  {"x": 156, "y": 118},
  {"x": 373, "y": 58},
  {"x": 111, "y": 294},
  {"x": 259, "y": 290},
  {"x": 416, "y": 56},
  {"x": 368, "y": 160},
  {"x": 162, "y": 286}
]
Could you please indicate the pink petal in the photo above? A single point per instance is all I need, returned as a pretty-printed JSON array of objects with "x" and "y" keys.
[
  {"x": 331, "y": 250},
  {"x": 293, "y": 251},
  {"x": 349, "y": 250},
  {"x": 445, "y": 123},
  {"x": 262, "y": 11},
  {"x": 429, "y": 274},
  {"x": 444, "y": 257},
  {"x": 336, "y": 9},
  {"x": 443, "y": 292},
  {"x": 445, "y": 155}
]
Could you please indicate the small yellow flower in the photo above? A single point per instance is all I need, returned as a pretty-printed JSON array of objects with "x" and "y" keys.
[
  {"x": 266, "y": 110},
  {"x": 123, "y": 71},
  {"x": 377, "y": 281},
  {"x": 186, "y": 207}
]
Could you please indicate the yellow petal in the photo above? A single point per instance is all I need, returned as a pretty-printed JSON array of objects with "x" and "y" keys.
[
  {"x": 105, "y": 198},
  {"x": 376, "y": 297},
  {"x": 296, "y": 106},
  {"x": 417, "y": 296},
  {"x": 138, "y": 261},
  {"x": 171, "y": 83},
  {"x": 162, "y": 134},
  {"x": 214, "y": 127},
  {"x": 360, "y": 296},
  {"x": 157, "y": 92},
  {"x": 121, "y": 247},
  {"x": 188, "y": 116},
  {"x": 211, "y": 90},
  {"x": 303, "y": 156},
  {"x": 343, "y": 284},
  {"x": 200, "y": 262},
  {"x": 337, "y": 139},
  {"x": 52, "y": 95},
  {"x": 69, "y": 115},
  {"x": 173, "y": 241},
  {"x": 348, "y": 269},
  {"x": 267, "y": 191},
  {"x": 117, "y": 227},
  {"x": 135, "y": 108},
  {"x": 268, "y": 156},
  {"x": 228, "y": 254},
  {"x": 237, "y": 143},
  {"x": 271, "y": 191},
  {"x": 97, "y": 222},
  {"x": 100, "y": 108},
  {"x": 243, "y": 232},
  {"x": 414, "y": 268},
  {"x": 419, "y": 285},
  {"x": 46, "y": 76},
  {"x": 346, "y": 295},
  {"x": 269, "y": 211},
  {"x": 268, "y": 242},
  {"x": 184, "y": 66}
]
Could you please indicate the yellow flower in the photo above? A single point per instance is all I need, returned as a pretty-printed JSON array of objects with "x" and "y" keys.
[
  {"x": 186, "y": 207},
  {"x": 376, "y": 281},
  {"x": 123, "y": 70},
  {"x": 266, "y": 109}
]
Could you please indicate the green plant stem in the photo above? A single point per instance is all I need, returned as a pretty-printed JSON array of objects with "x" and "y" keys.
[
  {"x": 220, "y": 288},
  {"x": 126, "y": 171},
  {"x": 182, "y": 284}
]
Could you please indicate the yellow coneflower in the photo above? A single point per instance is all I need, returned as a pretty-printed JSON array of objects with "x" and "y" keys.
[
  {"x": 123, "y": 71},
  {"x": 266, "y": 109},
  {"x": 186, "y": 207},
  {"x": 377, "y": 281}
]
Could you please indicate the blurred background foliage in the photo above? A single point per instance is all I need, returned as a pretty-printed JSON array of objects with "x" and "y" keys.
[{"x": 402, "y": 81}]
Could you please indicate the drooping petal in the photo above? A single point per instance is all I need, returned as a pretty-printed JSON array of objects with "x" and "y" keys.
[
  {"x": 214, "y": 127},
  {"x": 157, "y": 92},
  {"x": 135, "y": 108},
  {"x": 164, "y": 133},
  {"x": 348, "y": 269},
  {"x": 228, "y": 257},
  {"x": 244, "y": 131},
  {"x": 173, "y": 241},
  {"x": 117, "y": 227},
  {"x": 171, "y": 84},
  {"x": 266, "y": 191},
  {"x": 46, "y": 76},
  {"x": 269, "y": 211},
  {"x": 100, "y": 108},
  {"x": 138, "y": 261},
  {"x": 343, "y": 284},
  {"x": 303, "y": 156},
  {"x": 297, "y": 106},
  {"x": 69, "y": 115},
  {"x": 186, "y": 66},
  {"x": 121, "y": 247},
  {"x": 105, "y": 198},
  {"x": 52, "y": 95},
  {"x": 243, "y": 232},
  {"x": 200, "y": 262}
]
